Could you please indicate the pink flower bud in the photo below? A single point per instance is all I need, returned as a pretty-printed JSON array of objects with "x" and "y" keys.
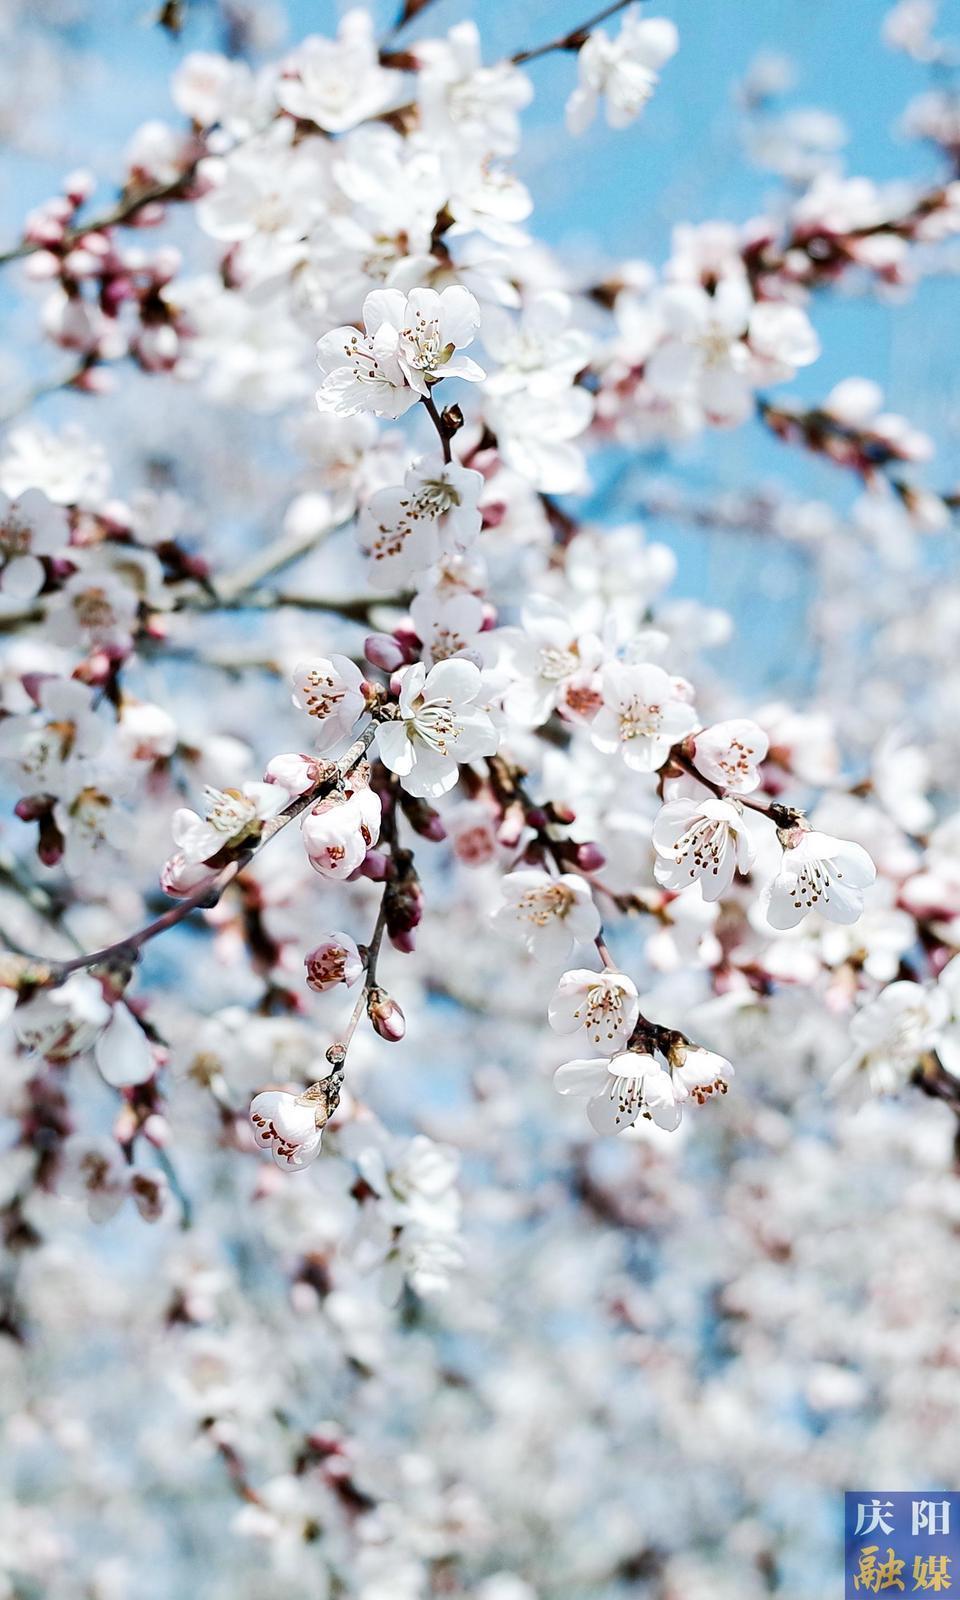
[
  {"x": 78, "y": 186},
  {"x": 147, "y": 216},
  {"x": 179, "y": 877},
  {"x": 405, "y": 941},
  {"x": 32, "y": 807},
  {"x": 387, "y": 1018},
  {"x": 406, "y": 637},
  {"x": 383, "y": 651},
  {"x": 295, "y": 773},
  {"x": 375, "y": 866},
  {"x": 589, "y": 857}
]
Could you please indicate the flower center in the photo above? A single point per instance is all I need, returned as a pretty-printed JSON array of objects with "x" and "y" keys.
[
  {"x": 15, "y": 537},
  {"x": 554, "y": 663},
  {"x": 638, "y": 721},
  {"x": 321, "y": 694},
  {"x": 228, "y": 811},
  {"x": 540, "y": 906},
  {"x": 705, "y": 844},
  {"x": 434, "y": 725}
]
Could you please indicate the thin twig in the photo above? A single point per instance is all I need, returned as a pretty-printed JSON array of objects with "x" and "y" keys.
[
  {"x": 208, "y": 893},
  {"x": 573, "y": 39},
  {"x": 126, "y": 208},
  {"x": 430, "y": 407}
]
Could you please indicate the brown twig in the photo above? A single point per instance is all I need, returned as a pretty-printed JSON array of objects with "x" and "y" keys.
[
  {"x": 571, "y": 40},
  {"x": 207, "y": 894}
]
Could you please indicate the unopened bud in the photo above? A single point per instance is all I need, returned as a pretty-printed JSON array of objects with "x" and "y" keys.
[
  {"x": 375, "y": 866},
  {"x": 79, "y": 186},
  {"x": 383, "y": 651},
  {"x": 387, "y": 1018},
  {"x": 589, "y": 857},
  {"x": 423, "y": 819}
]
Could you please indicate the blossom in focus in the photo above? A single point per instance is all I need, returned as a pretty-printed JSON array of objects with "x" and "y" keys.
[
  {"x": 701, "y": 841},
  {"x": 440, "y": 726},
  {"x": 643, "y": 715},
  {"x": 339, "y": 831},
  {"x": 409, "y": 343},
  {"x": 699, "y": 1073},
  {"x": 334, "y": 960},
  {"x": 231, "y": 817},
  {"x": 729, "y": 753},
  {"x": 330, "y": 690},
  {"x": 620, "y": 1090},
  {"x": 602, "y": 1005},
  {"x": 819, "y": 873},
  {"x": 404, "y": 530},
  {"x": 552, "y": 663},
  {"x": 287, "y": 1126}
]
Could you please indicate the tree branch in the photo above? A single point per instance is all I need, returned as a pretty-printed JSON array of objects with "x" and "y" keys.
[
  {"x": 571, "y": 40},
  {"x": 126, "y": 207},
  {"x": 208, "y": 893}
]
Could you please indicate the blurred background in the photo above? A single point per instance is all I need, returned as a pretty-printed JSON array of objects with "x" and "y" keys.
[{"x": 659, "y": 1368}]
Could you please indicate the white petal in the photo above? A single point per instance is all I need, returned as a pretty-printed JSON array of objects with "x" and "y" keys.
[{"x": 122, "y": 1052}]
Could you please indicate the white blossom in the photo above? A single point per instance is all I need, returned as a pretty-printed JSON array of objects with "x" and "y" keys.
[
  {"x": 730, "y": 753},
  {"x": 819, "y": 873},
  {"x": 231, "y": 817},
  {"x": 618, "y": 1091},
  {"x": 701, "y": 841},
  {"x": 338, "y": 832},
  {"x": 547, "y": 915},
  {"x": 288, "y": 1126},
  {"x": 329, "y": 689},
  {"x": 337, "y": 83},
  {"x": 440, "y": 727},
  {"x": 602, "y": 1005},
  {"x": 643, "y": 715},
  {"x": 30, "y": 527},
  {"x": 409, "y": 343},
  {"x": 891, "y": 1034},
  {"x": 404, "y": 530}
]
